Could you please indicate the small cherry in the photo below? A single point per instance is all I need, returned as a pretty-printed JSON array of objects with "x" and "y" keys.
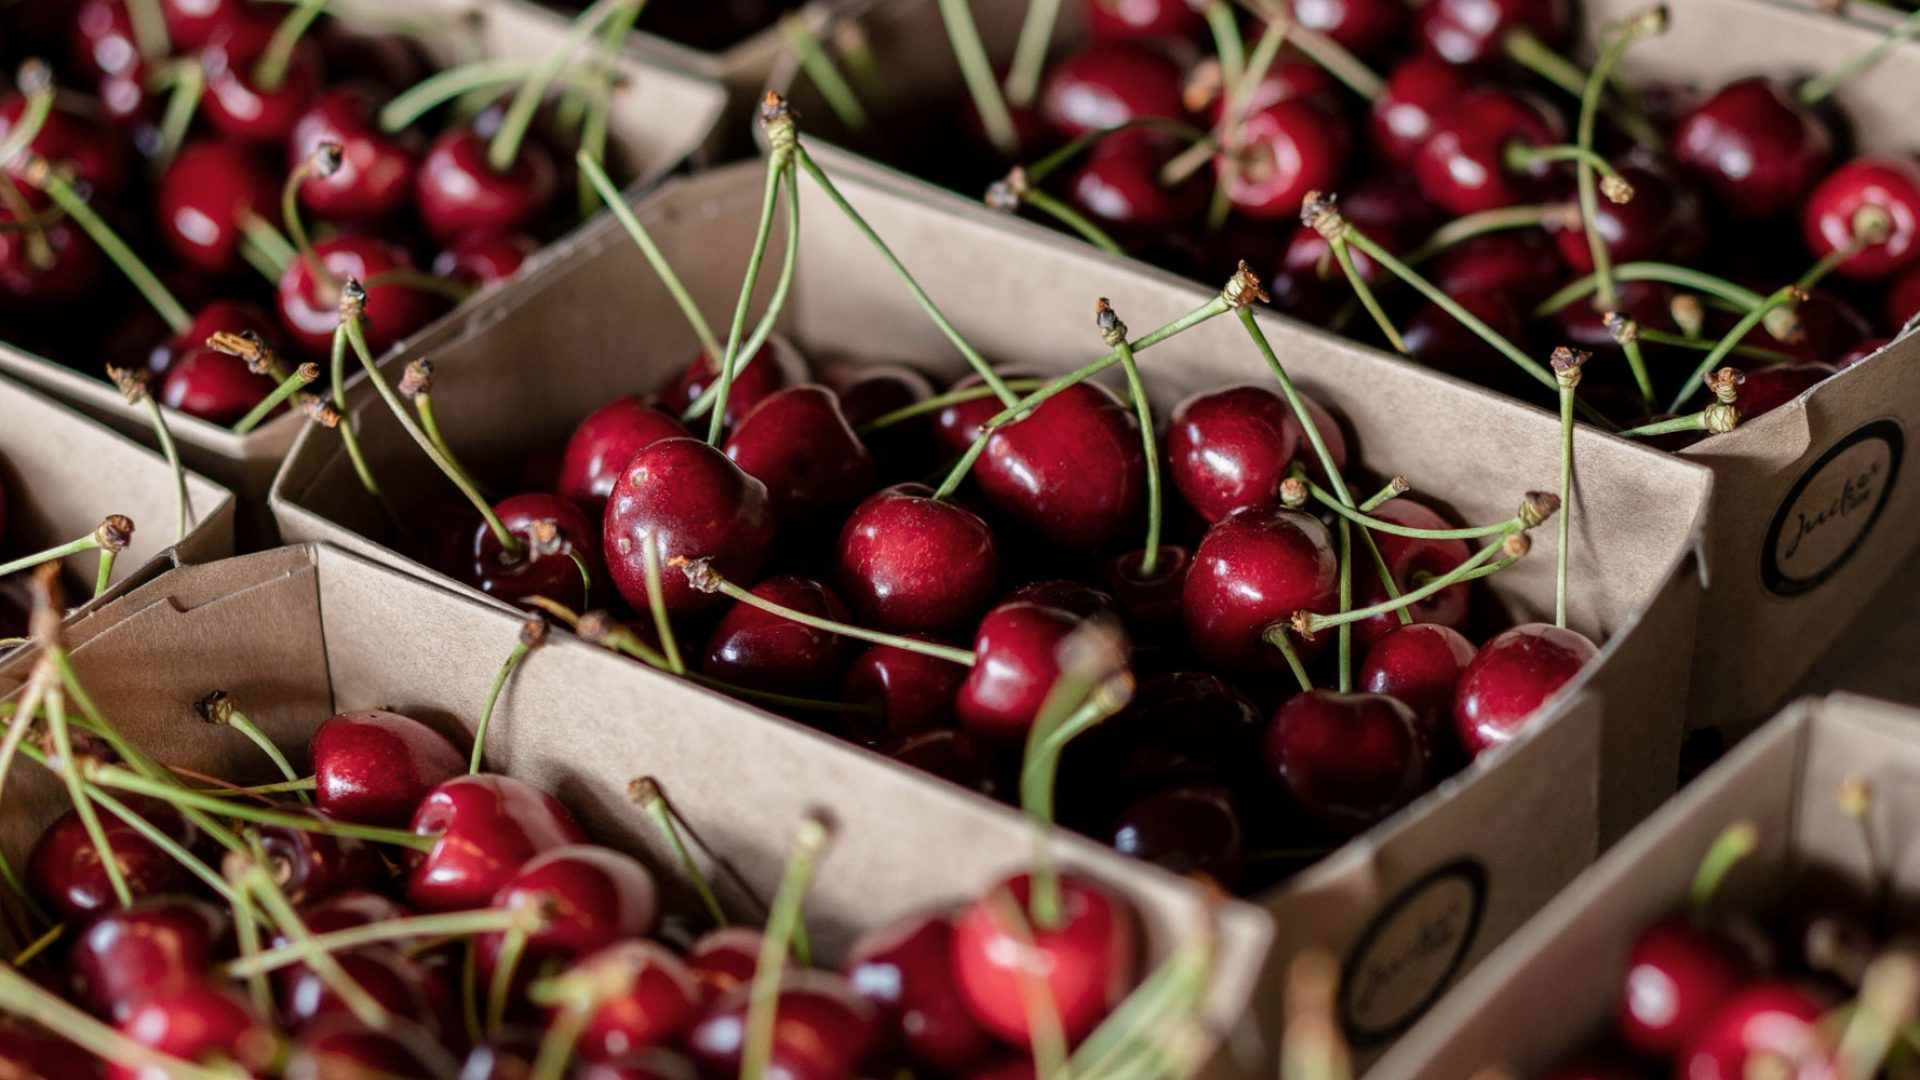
[
  {"x": 310, "y": 308},
  {"x": 373, "y": 767},
  {"x": 1149, "y": 604},
  {"x": 906, "y": 971},
  {"x": 1418, "y": 91},
  {"x": 206, "y": 197},
  {"x": 1509, "y": 679},
  {"x": 1770, "y": 1020},
  {"x": 868, "y": 392},
  {"x": 799, "y": 444},
  {"x": 822, "y": 1030},
  {"x": 485, "y": 828},
  {"x": 66, "y": 870},
  {"x": 1473, "y": 31},
  {"x": 1419, "y": 664},
  {"x": 913, "y": 692},
  {"x": 343, "y": 911},
  {"x": 657, "y": 1001},
  {"x": 553, "y": 531},
  {"x": 309, "y": 865},
  {"x": 1072, "y": 472},
  {"x": 1408, "y": 558},
  {"x": 376, "y": 173},
  {"x": 760, "y": 650},
  {"x": 776, "y": 365},
  {"x": 342, "y": 1046},
  {"x": 457, "y": 191},
  {"x": 695, "y": 503},
  {"x": 157, "y": 946},
  {"x": 724, "y": 960},
  {"x": 1520, "y": 267},
  {"x": 1086, "y": 960},
  {"x": 239, "y": 101},
  {"x": 593, "y": 896},
  {"x": 1768, "y": 388},
  {"x": 1754, "y": 149},
  {"x": 1663, "y": 222},
  {"x": 1279, "y": 153},
  {"x": 1108, "y": 84},
  {"x": 1251, "y": 573},
  {"x": 1831, "y": 218},
  {"x": 1017, "y": 664},
  {"x": 201, "y": 1024},
  {"x": 604, "y": 442},
  {"x": 484, "y": 259},
  {"x": 910, "y": 563},
  {"x": 1349, "y": 759},
  {"x": 1679, "y": 973},
  {"x": 1187, "y": 829},
  {"x": 1463, "y": 165},
  {"x": 1146, "y": 20},
  {"x": 1231, "y": 448}
]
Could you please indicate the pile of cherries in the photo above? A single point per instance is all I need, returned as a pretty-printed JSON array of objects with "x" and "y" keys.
[
  {"x": 420, "y": 214},
  {"x": 1441, "y": 147}
]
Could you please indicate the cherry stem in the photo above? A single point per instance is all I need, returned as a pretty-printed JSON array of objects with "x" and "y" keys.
[
  {"x": 445, "y": 924},
  {"x": 1870, "y": 226},
  {"x": 41, "y": 174},
  {"x": 17, "y": 730},
  {"x": 564, "y": 1028},
  {"x": 1367, "y": 299},
  {"x": 1665, "y": 273},
  {"x": 977, "y": 71},
  {"x": 1735, "y": 843},
  {"x": 657, "y": 605},
  {"x": 324, "y": 280},
  {"x": 36, "y": 80},
  {"x": 1071, "y": 150},
  {"x": 825, "y": 76},
  {"x": 1681, "y": 341},
  {"x": 623, "y": 213},
  {"x": 1228, "y": 43},
  {"x": 264, "y": 248},
  {"x": 217, "y": 708},
  {"x": 1044, "y": 1032},
  {"x": 513, "y": 945},
  {"x": 246, "y": 933},
  {"x": 270, "y": 74},
  {"x": 1856, "y": 801},
  {"x": 1333, "y": 502},
  {"x": 1345, "y": 669},
  {"x": 1173, "y": 993},
  {"x": 533, "y": 633},
  {"x": 1394, "y": 489},
  {"x": 778, "y": 162},
  {"x": 1030, "y": 52},
  {"x": 442, "y": 86},
  {"x": 254, "y": 879},
  {"x": 149, "y": 25},
  {"x": 1522, "y": 46},
  {"x": 301, "y": 377},
  {"x": 645, "y": 792},
  {"x": 1114, "y": 333},
  {"x": 972, "y": 355},
  {"x": 1072, "y": 219},
  {"x": 1785, "y": 295},
  {"x": 782, "y": 923},
  {"x": 1567, "y": 392},
  {"x": 404, "y": 278},
  {"x": 782, "y": 286},
  {"x": 1886, "y": 1008},
  {"x": 1338, "y": 62},
  {"x": 117, "y": 778},
  {"x": 159, "y": 839},
  {"x": 505, "y": 148},
  {"x": 1462, "y": 229},
  {"x": 298, "y": 784},
  {"x": 702, "y": 575},
  {"x": 183, "y": 101},
  {"x": 1276, "y": 636},
  {"x": 86, "y": 543},
  {"x": 1814, "y": 91},
  {"x": 23, "y": 999},
  {"x": 1520, "y": 156},
  {"x": 1315, "y": 623},
  {"x": 39, "y": 945},
  {"x": 941, "y": 401},
  {"x": 599, "y": 93},
  {"x": 70, "y": 775},
  {"x": 361, "y": 467}
]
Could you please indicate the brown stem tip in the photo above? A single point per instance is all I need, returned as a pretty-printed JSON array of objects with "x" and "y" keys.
[
  {"x": 326, "y": 159},
  {"x": 1688, "y": 313},
  {"x": 644, "y": 791},
  {"x": 700, "y": 573},
  {"x": 595, "y": 627},
  {"x": 417, "y": 379},
  {"x": 1293, "y": 492},
  {"x": 1516, "y": 546},
  {"x": 1007, "y": 193},
  {"x": 1724, "y": 384},
  {"x": 215, "y": 708},
  {"x": 1302, "y": 623},
  {"x": 1205, "y": 83},
  {"x": 1569, "y": 363},
  {"x": 131, "y": 384},
  {"x": 1243, "y": 288},
  {"x": 1621, "y": 327},
  {"x": 353, "y": 300},
  {"x": 1112, "y": 331},
  {"x": 246, "y": 345},
  {"x": 1400, "y": 485},
  {"x": 533, "y": 633},
  {"x": 320, "y": 411},
  {"x": 1537, "y": 508},
  {"x": 1616, "y": 189},
  {"x": 1321, "y": 211},
  {"x": 115, "y": 532},
  {"x": 49, "y": 602}
]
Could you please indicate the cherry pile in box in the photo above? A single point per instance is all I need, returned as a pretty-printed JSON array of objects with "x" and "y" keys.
[
  {"x": 1731, "y": 225},
  {"x": 177, "y": 171}
]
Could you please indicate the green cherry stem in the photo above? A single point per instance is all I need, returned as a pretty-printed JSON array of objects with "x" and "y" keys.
[
  {"x": 323, "y": 162},
  {"x": 1367, "y": 299},
  {"x": 1072, "y": 219},
  {"x": 1030, "y": 52},
  {"x": 18, "y": 727},
  {"x": 779, "y": 159},
  {"x": 412, "y": 927},
  {"x": 35, "y": 80},
  {"x": 344, "y": 424},
  {"x": 1536, "y": 56},
  {"x": 23, "y": 999},
  {"x": 1480, "y": 564},
  {"x": 1113, "y": 333},
  {"x": 1228, "y": 43},
  {"x": 1733, "y": 844},
  {"x": 763, "y": 995},
  {"x": 1681, "y": 341},
  {"x": 645, "y": 793},
  {"x": 1781, "y": 299},
  {"x": 1338, "y": 62},
  {"x": 39, "y": 945},
  {"x": 977, "y": 71},
  {"x": 657, "y": 605},
  {"x": 149, "y": 25},
  {"x": 246, "y": 935},
  {"x": 940, "y": 401},
  {"x": 1176, "y": 990},
  {"x": 610, "y": 195},
  {"x": 1521, "y": 156},
  {"x": 117, "y": 778},
  {"x": 1814, "y": 91},
  {"x": 271, "y": 72},
  {"x": 253, "y": 879},
  {"x": 1568, "y": 365},
  {"x": 1474, "y": 532},
  {"x": 702, "y": 575},
  {"x": 776, "y": 303},
  {"x": 217, "y": 708},
  {"x": 423, "y": 97},
  {"x": 1395, "y": 488},
  {"x": 605, "y": 73},
  {"x": 1461, "y": 229},
  {"x": 1277, "y": 636},
  {"x": 416, "y": 385},
  {"x": 1700, "y": 421},
  {"x": 533, "y": 634},
  {"x": 89, "y": 542},
  {"x": 1071, "y": 150},
  {"x": 299, "y": 379},
  {"x": 158, "y": 837},
  {"x": 1665, "y": 273},
  {"x": 824, "y": 74},
  {"x": 69, "y": 772},
  {"x": 504, "y": 150},
  {"x": 39, "y": 173}
]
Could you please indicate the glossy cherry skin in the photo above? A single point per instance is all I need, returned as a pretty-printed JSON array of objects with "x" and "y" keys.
[
  {"x": 777, "y": 364},
  {"x": 1438, "y": 340},
  {"x": 1678, "y": 975},
  {"x": 373, "y": 767},
  {"x": 762, "y": 651},
  {"x": 1278, "y": 154},
  {"x": 603, "y": 444},
  {"x": 1147, "y": 20},
  {"x": 157, "y": 946},
  {"x": 693, "y": 502},
  {"x": 1509, "y": 679},
  {"x": 723, "y": 960},
  {"x": 654, "y": 1009},
  {"x": 1119, "y": 186},
  {"x": 231, "y": 316},
  {"x": 1768, "y": 388},
  {"x": 73, "y": 269},
  {"x": 1231, "y": 448},
  {"x": 484, "y": 259},
  {"x": 340, "y": 1045},
  {"x": 376, "y": 172},
  {"x": 75, "y": 134},
  {"x": 906, "y": 971},
  {"x": 32, "y": 1054},
  {"x": 486, "y": 827},
  {"x": 1663, "y": 222},
  {"x": 1472, "y": 31},
  {"x": 401, "y": 983},
  {"x": 596, "y": 896},
  {"x": 799, "y": 444},
  {"x": 309, "y": 865},
  {"x": 1521, "y": 267},
  {"x": 235, "y": 102},
  {"x": 192, "y": 24},
  {"x": 1087, "y": 962},
  {"x": 66, "y": 871},
  {"x": 1407, "y": 558},
  {"x": 1015, "y": 664},
  {"x": 1462, "y": 166},
  {"x": 206, "y": 195},
  {"x": 1107, "y": 84},
  {"x": 1253, "y": 571},
  {"x": 458, "y": 192},
  {"x": 1072, "y": 473},
  {"x": 1418, "y": 91},
  {"x": 213, "y": 386},
  {"x": 956, "y": 426},
  {"x": 1773, "y": 1019},
  {"x": 822, "y": 1030},
  {"x": 909, "y": 563},
  {"x": 951, "y": 755},
  {"x": 868, "y": 392},
  {"x": 1419, "y": 664},
  {"x": 1755, "y": 150},
  {"x": 913, "y": 692},
  {"x": 1889, "y": 183},
  {"x": 1150, "y": 604},
  {"x": 1861, "y": 352},
  {"x": 1183, "y": 727},
  {"x": 1187, "y": 829},
  {"x": 198, "y": 1023},
  {"x": 538, "y": 570},
  {"x": 1349, "y": 759},
  {"x": 310, "y": 310},
  {"x": 1365, "y": 27}
]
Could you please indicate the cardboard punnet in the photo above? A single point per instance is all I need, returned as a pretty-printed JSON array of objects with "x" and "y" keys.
[
  {"x": 658, "y": 116},
  {"x": 1551, "y": 991},
  {"x": 1772, "y": 591},
  {"x": 296, "y": 634},
  {"x": 61, "y": 473},
  {"x": 526, "y": 368}
]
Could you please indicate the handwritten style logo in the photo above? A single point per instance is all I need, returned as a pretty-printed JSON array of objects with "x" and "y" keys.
[
  {"x": 1411, "y": 951},
  {"x": 1827, "y": 515}
]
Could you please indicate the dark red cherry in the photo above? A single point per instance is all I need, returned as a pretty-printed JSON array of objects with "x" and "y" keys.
[
  {"x": 103, "y": 43},
  {"x": 950, "y": 755},
  {"x": 1472, "y": 31},
  {"x": 1890, "y": 184},
  {"x": 1903, "y": 300},
  {"x": 375, "y": 177},
  {"x": 230, "y": 316},
  {"x": 192, "y": 24},
  {"x": 723, "y": 960},
  {"x": 1663, "y": 222},
  {"x": 1829, "y": 326},
  {"x": 1462, "y": 166},
  {"x": 1252, "y": 572},
  {"x": 1418, "y": 91},
  {"x": 74, "y": 134},
  {"x": 594, "y": 896},
  {"x": 373, "y": 767},
  {"x": 1436, "y": 338},
  {"x": 390, "y": 61},
  {"x": 1087, "y": 962},
  {"x": 913, "y": 692},
  {"x": 869, "y": 391},
  {"x": 544, "y": 567},
  {"x": 1768, "y": 388},
  {"x": 603, "y": 444},
  {"x": 205, "y": 197},
  {"x": 458, "y": 192},
  {"x": 310, "y": 309},
  {"x": 32, "y": 1054},
  {"x": 1510, "y": 678},
  {"x": 763, "y": 651},
  {"x": 1231, "y": 448},
  {"x": 1279, "y": 153},
  {"x": 1678, "y": 975},
  {"x": 485, "y": 827},
  {"x": 1015, "y": 664},
  {"x": 1290, "y": 78},
  {"x": 1187, "y": 829},
  {"x": 66, "y": 870},
  {"x": 799, "y": 444},
  {"x": 339, "y": 1045},
  {"x": 1365, "y": 27},
  {"x": 1349, "y": 759},
  {"x": 1072, "y": 472},
  {"x": 1768, "y": 1022},
  {"x": 1409, "y": 559},
  {"x": 1119, "y": 186},
  {"x": 309, "y": 865},
  {"x": 157, "y": 946},
  {"x": 1420, "y": 664},
  {"x": 693, "y": 502},
  {"x": 1150, "y": 604},
  {"x": 1145, "y": 20},
  {"x": 906, "y": 971},
  {"x": 655, "y": 1008},
  {"x": 777, "y": 364},
  {"x": 909, "y": 563},
  {"x": 484, "y": 259},
  {"x": 399, "y": 982},
  {"x": 65, "y": 268},
  {"x": 822, "y": 1030},
  {"x": 200, "y": 1024},
  {"x": 343, "y": 911},
  {"x": 236, "y": 103},
  {"x": 1107, "y": 84},
  {"x": 1755, "y": 150},
  {"x": 1521, "y": 267},
  {"x": 213, "y": 386},
  {"x": 1184, "y": 727},
  {"x": 1076, "y": 598}
]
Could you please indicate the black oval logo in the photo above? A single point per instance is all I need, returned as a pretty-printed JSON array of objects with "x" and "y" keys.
[
  {"x": 1411, "y": 951},
  {"x": 1827, "y": 515}
]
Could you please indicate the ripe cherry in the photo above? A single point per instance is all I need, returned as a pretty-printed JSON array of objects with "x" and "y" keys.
[
  {"x": 201, "y": 1024},
  {"x": 1017, "y": 664},
  {"x": 1279, "y": 153},
  {"x": 906, "y": 971},
  {"x": 1463, "y": 165},
  {"x": 760, "y": 650},
  {"x": 693, "y": 502},
  {"x": 1349, "y": 759},
  {"x": 821, "y": 1028},
  {"x": 310, "y": 309},
  {"x": 910, "y": 563},
  {"x": 309, "y": 865},
  {"x": 1187, "y": 829},
  {"x": 913, "y": 692},
  {"x": 604, "y": 442},
  {"x": 230, "y": 316},
  {"x": 1187, "y": 727},
  {"x": 1145, "y": 20},
  {"x": 57, "y": 265},
  {"x": 660, "y": 1002},
  {"x": 484, "y": 259},
  {"x": 1252, "y": 572},
  {"x": 192, "y": 24},
  {"x": 206, "y": 197},
  {"x": 1364, "y": 27},
  {"x": 1768, "y": 388},
  {"x": 545, "y": 564},
  {"x": 1473, "y": 31},
  {"x": 1408, "y": 558},
  {"x": 237, "y": 104},
  {"x": 1510, "y": 678},
  {"x": 1420, "y": 664},
  {"x": 157, "y": 946},
  {"x": 1755, "y": 149},
  {"x": 1086, "y": 962},
  {"x": 1231, "y": 448},
  {"x": 951, "y": 755},
  {"x": 799, "y": 444},
  {"x": 1437, "y": 339},
  {"x": 1678, "y": 975},
  {"x": 376, "y": 172},
  {"x": 373, "y": 767},
  {"x": 594, "y": 896},
  {"x": 485, "y": 828},
  {"x": 1771, "y": 1020},
  {"x": 400, "y": 983},
  {"x": 723, "y": 960},
  {"x": 458, "y": 191},
  {"x": 1890, "y": 184},
  {"x": 75, "y": 133},
  {"x": 1418, "y": 91},
  {"x": 66, "y": 870},
  {"x": 1072, "y": 472},
  {"x": 1664, "y": 221},
  {"x": 213, "y": 386},
  {"x": 1518, "y": 267},
  {"x": 1119, "y": 186},
  {"x": 1107, "y": 84},
  {"x": 777, "y": 364},
  {"x": 338, "y": 1045}
]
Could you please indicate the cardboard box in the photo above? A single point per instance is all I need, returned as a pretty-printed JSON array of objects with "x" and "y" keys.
[
  {"x": 61, "y": 473},
  {"x": 600, "y": 324},
  {"x": 1773, "y": 592},
  {"x": 296, "y": 634},
  {"x": 659, "y": 116},
  {"x": 1547, "y": 994}
]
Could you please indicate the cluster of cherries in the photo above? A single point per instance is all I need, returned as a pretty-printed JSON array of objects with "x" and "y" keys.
[
  {"x": 186, "y": 135},
  {"x": 1460, "y": 161}
]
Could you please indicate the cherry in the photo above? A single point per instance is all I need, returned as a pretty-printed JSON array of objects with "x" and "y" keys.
[
  {"x": 1678, "y": 974},
  {"x": 1290, "y": 78},
  {"x": 777, "y": 364},
  {"x": 1072, "y": 472},
  {"x": 950, "y": 755},
  {"x": 308, "y": 865},
  {"x": 373, "y": 767},
  {"x": 868, "y": 392},
  {"x": 1755, "y": 149},
  {"x": 1188, "y": 829},
  {"x": 458, "y": 191},
  {"x": 1231, "y": 448},
  {"x": 1436, "y": 338},
  {"x": 910, "y": 563},
  {"x": 1076, "y": 598},
  {"x": 484, "y": 259},
  {"x": 343, "y": 911},
  {"x": 205, "y": 198},
  {"x": 799, "y": 444},
  {"x": 201, "y": 1024},
  {"x": 1183, "y": 727},
  {"x": 542, "y": 568},
  {"x": 604, "y": 442},
  {"x": 724, "y": 960},
  {"x": 1519, "y": 267},
  {"x": 103, "y": 42},
  {"x": 1861, "y": 352},
  {"x": 1472, "y": 31},
  {"x": 341, "y": 1045},
  {"x": 1252, "y": 572},
  {"x": 1662, "y": 222},
  {"x": 73, "y": 270},
  {"x": 956, "y": 426},
  {"x": 229, "y": 316},
  {"x": 1119, "y": 185},
  {"x": 1768, "y": 388},
  {"x": 1418, "y": 90},
  {"x": 1509, "y": 679},
  {"x": 1149, "y": 604},
  {"x": 1889, "y": 184},
  {"x": 693, "y": 502},
  {"x": 759, "y": 650},
  {"x": 1107, "y": 84},
  {"x": 192, "y": 24},
  {"x": 1365, "y": 27},
  {"x": 914, "y": 692},
  {"x": 1903, "y": 299},
  {"x": 32, "y": 1054},
  {"x": 400, "y": 983},
  {"x": 1279, "y": 153},
  {"x": 822, "y": 1030},
  {"x": 236, "y": 104},
  {"x": 1016, "y": 665},
  {"x": 1463, "y": 164},
  {"x": 66, "y": 870},
  {"x": 376, "y": 172},
  {"x": 392, "y": 62},
  {"x": 654, "y": 1009},
  {"x": 157, "y": 946},
  {"x": 1349, "y": 759},
  {"x": 1145, "y": 20},
  {"x": 485, "y": 828},
  {"x": 1829, "y": 326},
  {"x": 213, "y": 386},
  {"x": 595, "y": 896},
  {"x": 906, "y": 971},
  {"x": 1086, "y": 962},
  {"x": 1767, "y": 1020},
  {"x": 310, "y": 309},
  {"x": 1420, "y": 664},
  {"x": 1407, "y": 558},
  {"x": 76, "y": 134}
]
